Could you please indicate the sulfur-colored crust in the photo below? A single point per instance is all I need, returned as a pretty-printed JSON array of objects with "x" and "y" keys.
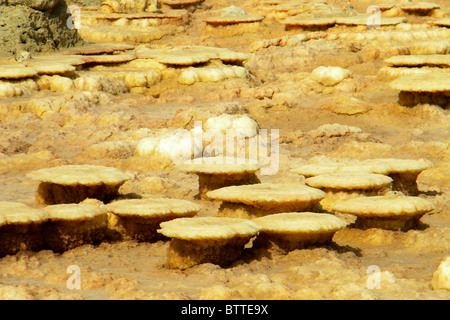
[
  {"x": 349, "y": 181},
  {"x": 87, "y": 175},
  {"x": 311, "y": 170},
  {"x": 139, "y": 219},
  {"x": 269, "y": 196},
  {"x": 73, "y": 225},
  {"x": 427, "y": 82},
  {"x": 390, "y": 212},
  {"x": 21, "y": 229}
]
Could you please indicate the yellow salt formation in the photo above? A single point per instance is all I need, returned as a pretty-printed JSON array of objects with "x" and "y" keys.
[
  {"x": 21, "y": 228},
  {"x": 297, "y": 230},
  {"x": 310, "y": 24},
  {"x": 216, "y": 240},
  {"x": 390, "y": 212},
  {"x": 407, "y": 65},
  {"x": 73, "y": 225},
  {"x": 340, "y": 186},
  {"x": 256, "y": 200},
  {"x": 139, "y": 219},
  {"x": 404, "y": 172},
  {"x": 315, "y": 169},
  {"x": 232, "y": 15},
  {"x": 218, "y": 172},
  {"x": 433, "y": 88},
  {"x": 441, "y": 277},
  {"x": 75, "y": 183}
]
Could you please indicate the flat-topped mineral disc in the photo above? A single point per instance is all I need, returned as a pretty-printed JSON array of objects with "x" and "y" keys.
[
  {"x": 80, "y": 175},
  {"x": 391, "y": 212},
  {"x": 428, "y": 82},
  {"x": 16, "y": 71},
  {"x": 419, "y": 60},
  {"x": 209, "y": 228}
]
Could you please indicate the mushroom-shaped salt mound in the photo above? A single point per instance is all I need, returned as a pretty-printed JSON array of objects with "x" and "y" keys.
[
  {"x": 216, "y": 240},
  {"x": 74, "y": 183},
  {"x": 109, "y": 6},
  {"x": 72, "y": 225},
  {"x": 179, "y": 4},
  {"x": 433, "y": 88},
  {"x": 420, "y": 8},
  {"x": 312, "y": 169},
  {"x": 295, "y": 230},
  {"x": 404, "y": 173},
  {"x": 139, "y": 219},
  {"x": 341, "y": 186},
  {"x": 256, "y": 200},
  {"x": 391, "y": 212},
  {"x": 20, "y": 228},
  {"x": 218, "y": 172},
  {"x": 232, "y": 15},
  {"x": 434, "y": 60},
  {"x": 309, "y": 23}
]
